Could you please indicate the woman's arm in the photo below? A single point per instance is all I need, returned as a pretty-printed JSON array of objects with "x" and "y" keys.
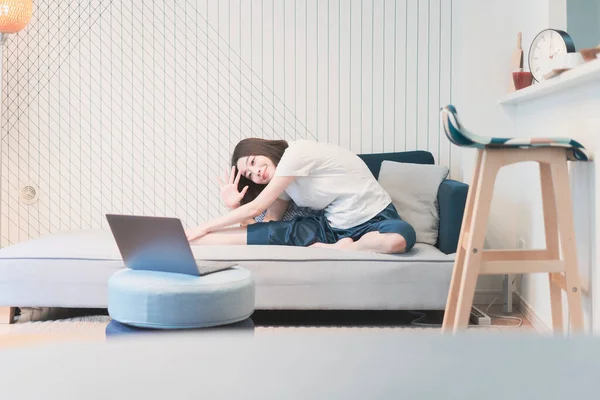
[
  {"x": 274, "y": 213},
  {"x": 263, "y": 201}
]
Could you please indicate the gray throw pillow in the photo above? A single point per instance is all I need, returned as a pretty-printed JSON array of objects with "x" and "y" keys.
[{"x": 413, "y": 189}]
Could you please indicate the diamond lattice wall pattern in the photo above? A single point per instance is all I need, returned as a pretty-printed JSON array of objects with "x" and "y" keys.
[{"x": 135, "y": 106}]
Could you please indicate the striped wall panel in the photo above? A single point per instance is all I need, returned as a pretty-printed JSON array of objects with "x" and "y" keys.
[{"x": 135, "y": 106}]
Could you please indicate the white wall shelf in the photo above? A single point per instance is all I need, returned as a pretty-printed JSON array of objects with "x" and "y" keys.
[{"x": 586, "y": 73}]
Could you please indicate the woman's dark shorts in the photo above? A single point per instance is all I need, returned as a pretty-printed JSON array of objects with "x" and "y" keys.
[{"x": 305, "y": 231}]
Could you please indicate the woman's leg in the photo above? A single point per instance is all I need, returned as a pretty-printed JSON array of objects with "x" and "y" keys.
[
  {"x": 236, "y": 235},
  {"x": 388, "y": 236},
  {"x": 301, "y": 231},
  {"x": 386, "y": 243}
]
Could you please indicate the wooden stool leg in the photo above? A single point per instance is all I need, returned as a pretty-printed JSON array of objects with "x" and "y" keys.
[
  {"x": 450, "y": 312},
  {"x": 556, "y": 305},
  {"x": 551, "y": 231},
  {"x": 562, "y": 193},
  {"x": 475, "y": 240},
  {"x": 7, "y": 315}
]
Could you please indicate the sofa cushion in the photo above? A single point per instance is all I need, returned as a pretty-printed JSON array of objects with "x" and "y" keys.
[
  {"x": 374, "y": 161},
  {"x": 452, "y": 196},
  {"x": 414, "y": 189},
  {"x": 72, "y": 268}
]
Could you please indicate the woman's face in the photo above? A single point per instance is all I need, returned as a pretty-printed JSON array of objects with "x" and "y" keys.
[{"x": 259, "y": 169}]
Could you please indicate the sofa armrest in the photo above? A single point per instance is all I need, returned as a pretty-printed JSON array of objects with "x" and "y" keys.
[{"x": 452, "y": 196}]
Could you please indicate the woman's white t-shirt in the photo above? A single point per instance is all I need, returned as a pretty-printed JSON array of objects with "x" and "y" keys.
[{"x": 333, "y": 179}]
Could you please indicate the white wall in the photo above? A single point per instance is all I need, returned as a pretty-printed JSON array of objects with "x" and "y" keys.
[
  {"x": 483, "y": 40},
  {"x": 135, "y": 106},
  {"x": 557, "y": 15},
  {"x": 572, "y": 112},
  {"x": 481, "y": 48},
  {"x": 533, "y": 288}
]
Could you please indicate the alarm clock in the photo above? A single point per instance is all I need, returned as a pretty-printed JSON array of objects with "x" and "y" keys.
[{"x": 547, "y": 45}]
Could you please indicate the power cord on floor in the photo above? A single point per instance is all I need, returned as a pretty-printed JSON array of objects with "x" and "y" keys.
[
  {"x": 504, "y": 316},
  {"x": 417, "y": 322}
]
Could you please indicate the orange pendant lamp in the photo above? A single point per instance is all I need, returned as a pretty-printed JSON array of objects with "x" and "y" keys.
[{"x": 14, "y": 15}]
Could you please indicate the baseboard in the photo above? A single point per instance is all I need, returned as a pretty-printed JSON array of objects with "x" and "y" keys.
[
  {"x": 485, "y": 298},
  {"x": 529, "y": 313}
]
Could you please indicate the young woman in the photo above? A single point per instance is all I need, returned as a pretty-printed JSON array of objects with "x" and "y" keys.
[{"x": 358, "y": 212}]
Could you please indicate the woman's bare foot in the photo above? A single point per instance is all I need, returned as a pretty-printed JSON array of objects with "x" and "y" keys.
[{"x": 341, "y": 244}]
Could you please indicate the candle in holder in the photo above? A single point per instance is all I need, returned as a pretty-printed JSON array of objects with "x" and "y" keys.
[{"x": 522, "y": 79}]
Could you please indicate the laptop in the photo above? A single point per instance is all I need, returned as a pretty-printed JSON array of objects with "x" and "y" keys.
[{"x": 158, "y": 244}]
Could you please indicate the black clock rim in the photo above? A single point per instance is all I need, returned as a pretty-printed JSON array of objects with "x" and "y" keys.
[{"x": 570, "y": 45}]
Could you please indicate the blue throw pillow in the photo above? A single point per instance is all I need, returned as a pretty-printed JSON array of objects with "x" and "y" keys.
[{"x": 293, "y": 211}]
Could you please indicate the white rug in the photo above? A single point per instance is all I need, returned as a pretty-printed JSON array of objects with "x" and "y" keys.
[
  {"x": 78, "y": 326},
  {"x": 44, "y": 321},
  {"x": 95, "y": 326}
]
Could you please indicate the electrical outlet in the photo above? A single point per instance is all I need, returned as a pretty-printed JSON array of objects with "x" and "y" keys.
[{"x": 521, "y": 243}]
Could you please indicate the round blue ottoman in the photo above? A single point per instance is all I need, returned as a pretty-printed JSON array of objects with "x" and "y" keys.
[
  {"x": 116, "y": 329},
  {"x": 163, "y": 300}
]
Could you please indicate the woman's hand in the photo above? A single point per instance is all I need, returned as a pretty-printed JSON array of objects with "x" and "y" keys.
[
  {"x": 196, "y": 233},
  {"x": 243, "y": 214},
  {"x": 229, "y": 189}
]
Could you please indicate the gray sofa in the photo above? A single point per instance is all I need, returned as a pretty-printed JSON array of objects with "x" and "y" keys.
[{"x": 71, "y": 268}]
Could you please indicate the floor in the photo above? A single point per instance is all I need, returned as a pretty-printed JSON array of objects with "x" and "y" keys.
[
  {"x": 379, "y": 319},
  {"x": 497, "y": 310},
  {"x": 64, "y": 325}
]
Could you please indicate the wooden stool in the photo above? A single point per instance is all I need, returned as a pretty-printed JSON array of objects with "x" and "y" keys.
[
  {"x": 7, "y": 315},
  {"x": 552, "y": 155}
]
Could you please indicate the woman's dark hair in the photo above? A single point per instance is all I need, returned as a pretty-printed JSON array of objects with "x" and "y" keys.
[{"x": 272, "y": 149}]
